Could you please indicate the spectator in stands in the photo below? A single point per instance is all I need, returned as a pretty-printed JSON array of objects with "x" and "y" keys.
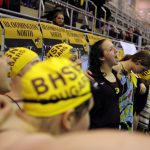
[
  {"x": 129, "y": 35},
  {"x": 120, "y": 34},
  {"x": 1, "y": 3},
  {"x": 103, "y": 29},
  {"x": 58, "y": 18},
  {"x": 5, "y": 4},
  {"x": 112, "y": 32},
  {"x": 29, "y": 3},
  {"x": 100, "y": 13},
  {"x": 136, "y": 35},
  {"x": 86, "y": 28},
  {"x": 78, "y": 4},
  {"x": 34, "y": 4},
  {"x": 15, "y": 5},
  {"x": 144, "y": 42}
]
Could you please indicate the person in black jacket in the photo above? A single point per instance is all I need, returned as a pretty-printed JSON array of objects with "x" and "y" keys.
[
  {"x": 105, "y": 87},
  {"x": 100, "y": 13},
  {"x": 15, "y": 5},
  {"x": 76, "y": 3}
]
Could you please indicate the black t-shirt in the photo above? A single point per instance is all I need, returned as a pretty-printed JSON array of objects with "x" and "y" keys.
[
  {"x": 105, "y": 113},
  {"x": 140, "y": 99}
]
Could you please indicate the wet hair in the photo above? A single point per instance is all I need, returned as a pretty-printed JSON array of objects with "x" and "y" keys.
[
  {"x": 143, "y": 57},
  {"x": 126, "y": 57},
  {"x": 48, "y": 124},
  {"x": 82, "y": 108},
  {"x": 95, "y": 54}
]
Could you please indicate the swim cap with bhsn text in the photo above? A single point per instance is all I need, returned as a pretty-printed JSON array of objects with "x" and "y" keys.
[{"x": 54, "y": 86}]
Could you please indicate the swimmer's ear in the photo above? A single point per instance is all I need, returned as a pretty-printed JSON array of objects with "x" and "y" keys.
[{"x": 68, "y": 120}]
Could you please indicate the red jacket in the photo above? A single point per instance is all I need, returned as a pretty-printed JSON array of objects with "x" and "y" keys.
[{"x": 7, "y": 2}]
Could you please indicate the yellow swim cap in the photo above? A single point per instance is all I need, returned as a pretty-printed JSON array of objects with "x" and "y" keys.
[
  {"x": 145, "y": 75},
  {"x": 54, "y": 86},
  {"x": 20, "y": 57},
  {"x": 60, "y": 50}
]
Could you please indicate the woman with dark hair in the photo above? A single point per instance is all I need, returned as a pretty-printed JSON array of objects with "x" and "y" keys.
[
  {"x": 105, "y": 89},
  {"x": 137, "y": 63}
]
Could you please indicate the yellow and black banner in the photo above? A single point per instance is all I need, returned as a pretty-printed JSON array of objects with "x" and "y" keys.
[
  {"x": 78, "y": 41},
  {"x": 120, "y": 54},
  {"x": 51, "y": 31},
  {"x": 0, "y": 37},
  {"x": 76, "y": 38},
  {"x": 22, "y": 33},
  {"x": 145, "y": 75},
  {"x": 53, "y": 34},
  {"x": 94, "y": 38}
]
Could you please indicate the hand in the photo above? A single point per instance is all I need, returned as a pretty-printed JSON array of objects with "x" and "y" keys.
[
  {"x": 142, "y": 88},
  {"x": 89, "y": 74},
  {"x": 91, "y": 12}
]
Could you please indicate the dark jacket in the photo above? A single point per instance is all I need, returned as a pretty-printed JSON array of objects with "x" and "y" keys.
[{"x": 105, "y": 113}]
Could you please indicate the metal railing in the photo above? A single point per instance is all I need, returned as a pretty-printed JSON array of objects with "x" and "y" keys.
[
  {"x": 105, "y": 30},
  {"x": 133, "y": 21},
  {"x": 9, "y": 13}
]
